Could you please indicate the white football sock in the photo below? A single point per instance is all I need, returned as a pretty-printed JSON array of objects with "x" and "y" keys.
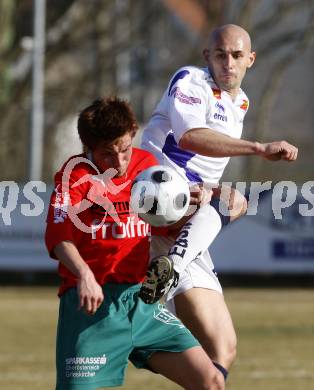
[{"x": 195, "y": 237}]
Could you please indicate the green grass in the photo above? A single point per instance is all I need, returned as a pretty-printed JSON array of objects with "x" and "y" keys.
[{"x": 275, "y": 340}]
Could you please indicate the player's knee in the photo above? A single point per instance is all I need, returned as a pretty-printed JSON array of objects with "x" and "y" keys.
[
  {"x": 226, "y": 351},
  {"x": 230, "y": 352},
  {"x": 218, "y": 382},
  {"x": 208, "y": 379},
  {"x": 214, "y": 381},
  {"x": 237, "y": 204}
]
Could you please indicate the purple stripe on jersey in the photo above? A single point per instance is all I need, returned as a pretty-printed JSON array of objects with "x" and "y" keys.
[
  {"x": 178, "y": 76},
  {"x": 180, "y": 157}
]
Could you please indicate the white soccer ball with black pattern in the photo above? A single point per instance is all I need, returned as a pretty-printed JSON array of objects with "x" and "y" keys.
[{"x": 160, "y": 196}]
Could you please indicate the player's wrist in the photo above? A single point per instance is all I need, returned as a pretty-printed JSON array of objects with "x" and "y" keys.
[
  {"x": 85, "y": 272},
  {"x": 258, "y": 148}
]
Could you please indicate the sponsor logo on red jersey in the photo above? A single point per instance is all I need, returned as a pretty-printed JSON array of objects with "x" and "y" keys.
[{"x": 131, "y": 228}]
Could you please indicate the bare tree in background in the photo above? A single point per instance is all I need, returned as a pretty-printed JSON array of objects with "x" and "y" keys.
[
  {"x": 292, "y": 24},
  {"x": 288, "y": 46}
]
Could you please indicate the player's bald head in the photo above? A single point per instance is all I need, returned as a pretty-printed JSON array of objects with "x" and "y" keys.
[
  {"x": 227, "y": 32},
  {"x": 228, "y": 56}
]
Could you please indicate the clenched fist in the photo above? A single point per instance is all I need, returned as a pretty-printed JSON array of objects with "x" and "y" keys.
[{"x": 278, "y": 150}]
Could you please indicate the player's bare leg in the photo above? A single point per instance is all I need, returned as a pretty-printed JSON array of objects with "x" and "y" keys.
[
  {"x": 191, "y": 369},
  {"x": 205, "y": 313},
  {"x": 235, "y": 202}
]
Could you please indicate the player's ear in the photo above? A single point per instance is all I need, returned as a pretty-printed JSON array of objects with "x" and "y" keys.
[
  {"x": 133, "y": 133},
  {"x": 206, "y": 54},
  {"x": 252, "y": 57},
  {"x": 133, "y": 130}
]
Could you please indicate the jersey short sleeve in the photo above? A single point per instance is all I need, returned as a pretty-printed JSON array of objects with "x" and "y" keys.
[
  {"x": 187, "y": 101},
  {"x": 59, "y": 225}
]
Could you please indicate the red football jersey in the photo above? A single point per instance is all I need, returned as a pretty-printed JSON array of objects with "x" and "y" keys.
[{"x": 97, "y": 218}]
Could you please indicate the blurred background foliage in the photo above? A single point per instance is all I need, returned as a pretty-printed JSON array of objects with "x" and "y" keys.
[{"x": 131, "y": 48}]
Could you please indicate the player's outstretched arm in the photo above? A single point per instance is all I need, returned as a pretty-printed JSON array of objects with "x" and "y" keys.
[
  {"x": 89, "y": 291},
  {"x": 211, "y": 143}
]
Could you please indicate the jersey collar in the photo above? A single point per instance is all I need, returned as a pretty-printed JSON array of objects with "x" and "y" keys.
[{"x": 211, "y": 80}]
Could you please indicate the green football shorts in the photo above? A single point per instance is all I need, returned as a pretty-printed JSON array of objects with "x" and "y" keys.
[{"x": 93, "y": 351}]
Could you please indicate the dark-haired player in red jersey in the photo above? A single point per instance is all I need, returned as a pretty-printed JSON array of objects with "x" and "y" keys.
[{"x": 102, "y": 249}]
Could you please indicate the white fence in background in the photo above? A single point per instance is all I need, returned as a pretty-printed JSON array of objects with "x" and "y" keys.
[
  {"x": 261, "y": 243},
  {"x": 22, "y": 246}
]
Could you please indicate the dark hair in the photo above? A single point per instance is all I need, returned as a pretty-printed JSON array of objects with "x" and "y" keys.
[{"x": 105, "y": 120}]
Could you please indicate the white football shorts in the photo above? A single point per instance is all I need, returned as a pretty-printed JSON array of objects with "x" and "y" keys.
[{"x": 199, "y": 273}]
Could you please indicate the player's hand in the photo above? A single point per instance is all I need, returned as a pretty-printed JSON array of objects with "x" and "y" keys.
[
  {"x": 278, "y": 150},
  {"x": 200, "y": 194},
  {"x": 90, "y": 293}
]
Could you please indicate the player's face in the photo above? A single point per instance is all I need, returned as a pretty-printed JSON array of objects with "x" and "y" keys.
[
  {"x": 228, "y": 59},
  {"x": 116, "y": 155}
]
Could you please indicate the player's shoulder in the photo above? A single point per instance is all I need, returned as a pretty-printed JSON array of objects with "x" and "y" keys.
[
  {"x": 76, "y": 166},
  {"x": 242, "y": 102},
  {"x": 190, "y": 70},
  {"x": 242, "y": 95},
  {"x": 79, "y": 162},
  {"x": 143, "y": 157},
  {"x": 189, "y": 74}
]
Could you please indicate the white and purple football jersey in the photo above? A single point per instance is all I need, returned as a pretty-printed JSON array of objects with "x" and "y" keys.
[{"x": 193, "y": 100}]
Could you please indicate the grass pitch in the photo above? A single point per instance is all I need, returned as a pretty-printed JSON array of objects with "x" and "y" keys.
[{"x": 275, "y": 340}]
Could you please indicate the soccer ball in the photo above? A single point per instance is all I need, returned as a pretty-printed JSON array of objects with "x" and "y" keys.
[{"x": 160, "y": 196}]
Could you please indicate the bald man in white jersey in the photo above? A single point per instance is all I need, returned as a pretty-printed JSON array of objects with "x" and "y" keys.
[{"x": 196, "y": 128}]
